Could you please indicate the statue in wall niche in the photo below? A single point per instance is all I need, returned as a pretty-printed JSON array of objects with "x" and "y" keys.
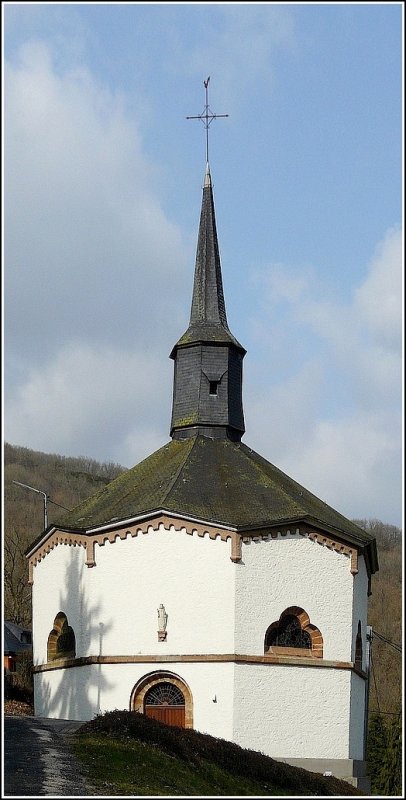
[{"x": 162, "y": 622}]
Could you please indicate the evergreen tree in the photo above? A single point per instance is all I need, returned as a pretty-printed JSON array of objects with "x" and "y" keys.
[
  {"x": 391, "y": 775},
  {"x": 376, "y": 752}
]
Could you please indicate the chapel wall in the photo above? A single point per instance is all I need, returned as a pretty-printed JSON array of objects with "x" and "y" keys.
[
  {"x": 276, "y": 574},
  {"x": 59, "y": 586},
  {"x": 80, "y": 693},
  {"x": 357, "y": 717},
  {"x": 113, "y": 606},
  {"x": 360, "y": 608},
  {"x": 292, "y": 712}
]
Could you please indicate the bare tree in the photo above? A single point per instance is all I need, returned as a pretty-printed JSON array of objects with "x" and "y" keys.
[{"x": 17, "y": 592}]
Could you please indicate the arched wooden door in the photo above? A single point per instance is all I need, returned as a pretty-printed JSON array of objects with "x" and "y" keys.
[{"x": 166, "y": 703}]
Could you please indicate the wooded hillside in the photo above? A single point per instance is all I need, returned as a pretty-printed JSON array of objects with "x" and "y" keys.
[
  {"x": 68, "y": 481},
  {"x": 385, "y": 617}
]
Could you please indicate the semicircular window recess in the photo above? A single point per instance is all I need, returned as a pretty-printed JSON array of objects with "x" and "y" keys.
[
  {"x": 61, "y": 641},
  {"x": 293, "y": 635}
]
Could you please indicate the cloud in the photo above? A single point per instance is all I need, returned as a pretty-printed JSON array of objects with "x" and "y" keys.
[
  {"x": 378, "y": 302},
  {"x": 87, "y": 236},
  {"x": 330, "y": 417},
  {"x": 104, "y": 397},
  {"x": 240, "y": 46},
  {"x": 344, "y": 458},
  {"x": 94, "y": 269}
]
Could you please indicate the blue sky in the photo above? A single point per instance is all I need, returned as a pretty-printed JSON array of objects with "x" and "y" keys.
[{"x": 102, "y": 189}]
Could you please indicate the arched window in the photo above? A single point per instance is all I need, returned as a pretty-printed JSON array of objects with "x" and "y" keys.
[
  {"x": 61, "y": 640},
  {"x": 293, "y": 634},
  {"x": 164, "y": 694},
  {"x": 358, "y": 648}
]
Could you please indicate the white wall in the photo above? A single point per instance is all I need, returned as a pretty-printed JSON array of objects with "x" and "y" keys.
[
  {"x": 292, "y": 712},
  {"x": 294, "y": 571},
  {"x": 193, "y": 578},
  {"x": 214, "y": 606},
  {"x": 358, "y": 685},
  {"x": 59, "y": 585},
  {"x": 357, "y": 713},
  {"x": 112, "y": 607},
  {"x": 82, "y": 692},
  {"x": 360, "y": 607}
]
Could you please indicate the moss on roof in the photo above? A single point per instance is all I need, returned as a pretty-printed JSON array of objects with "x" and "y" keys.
[
  {"x": 213, "y": 479},
  {"x": 140, "y": 489}
]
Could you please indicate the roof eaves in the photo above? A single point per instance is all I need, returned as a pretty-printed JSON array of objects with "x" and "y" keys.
[
  {"x": 151, "y": 515},
  {"x": 310, "y": 520},
  {"x": 39, "y": 540},
  {"x": 371, "y": 556},
  {"x": 351, "y": 536},
  {"x": 267, "y": 524},
  {"x": 127, "y": 521}
]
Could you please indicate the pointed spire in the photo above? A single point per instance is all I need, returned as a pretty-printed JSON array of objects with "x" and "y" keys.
[
  {"x": 207, "y": 391},
  {"x": 208, "y": 319},
  {"x": 208, "y": 298}
]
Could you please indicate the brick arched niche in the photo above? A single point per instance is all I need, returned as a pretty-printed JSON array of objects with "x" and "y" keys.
[
  {"x": 358, "y": 647},
  {"x": 61, "y": 641},
  {"x": 312, "y": 639},
  {"x": 152, "y": 679}
]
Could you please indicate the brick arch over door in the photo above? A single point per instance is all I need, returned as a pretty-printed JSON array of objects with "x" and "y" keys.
[{"x": 154, "y": 679}]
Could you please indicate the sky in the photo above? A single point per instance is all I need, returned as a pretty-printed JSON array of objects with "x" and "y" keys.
[{"x": 102, "y": 188}]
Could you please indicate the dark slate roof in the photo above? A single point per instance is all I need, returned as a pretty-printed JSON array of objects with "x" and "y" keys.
[
  {"x": 216, "y": 480},
  {"x": 13, "y": 638},
  {"x": 208, "y": 319},
  {"x": 205, "y": 332}
]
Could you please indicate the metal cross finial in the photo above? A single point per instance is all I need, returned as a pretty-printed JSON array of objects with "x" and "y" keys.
[{"x": 207, "y": 116}]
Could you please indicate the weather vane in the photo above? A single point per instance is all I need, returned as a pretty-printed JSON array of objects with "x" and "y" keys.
[{"x": 207, "y": 116}]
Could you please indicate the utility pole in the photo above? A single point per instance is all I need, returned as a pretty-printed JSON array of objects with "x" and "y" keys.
[
  {"x": 47, "y": 500},
  {"x": 38, "y": 491}
]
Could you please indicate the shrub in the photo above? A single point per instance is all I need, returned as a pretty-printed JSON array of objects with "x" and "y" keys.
[{"x": 194, "y": 747}]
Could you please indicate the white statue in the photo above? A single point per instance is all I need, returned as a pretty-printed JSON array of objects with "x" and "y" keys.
[{"x": 162, "y": 618}]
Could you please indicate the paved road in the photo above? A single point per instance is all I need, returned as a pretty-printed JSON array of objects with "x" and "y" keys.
[{"x": 38, "y": 760}]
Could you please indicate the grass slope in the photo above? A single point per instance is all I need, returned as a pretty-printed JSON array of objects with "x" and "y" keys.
[{"x": 128, "y": 754}]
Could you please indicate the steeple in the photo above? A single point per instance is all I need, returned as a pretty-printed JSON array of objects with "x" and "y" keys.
[
  {"x": 208, "y": 300},
  {"x": 207, "y": 391}
]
